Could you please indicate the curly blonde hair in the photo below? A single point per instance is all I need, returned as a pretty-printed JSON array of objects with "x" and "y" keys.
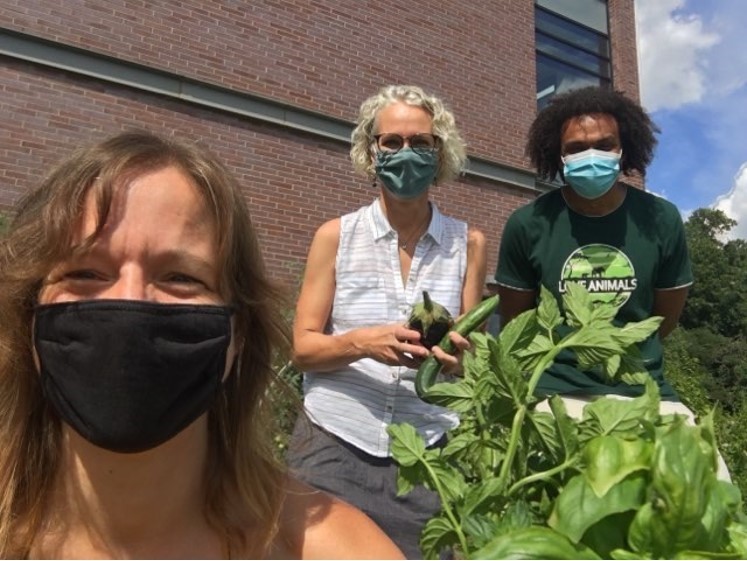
[{"x": 452, "y": 150}]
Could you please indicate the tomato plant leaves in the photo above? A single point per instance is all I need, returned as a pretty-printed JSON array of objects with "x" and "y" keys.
[
  {"x": 635, "y": 332},
  {"x": 548, "y": 311},
  {"x": 438, "y": 534},
  {"x": 407, "y": 445},
  {"x": 621, "y": 482},
  {"x": 518, "y": 333}
]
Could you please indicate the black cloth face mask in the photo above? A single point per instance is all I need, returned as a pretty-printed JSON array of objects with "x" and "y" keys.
[{"x": 129, "y": 375}]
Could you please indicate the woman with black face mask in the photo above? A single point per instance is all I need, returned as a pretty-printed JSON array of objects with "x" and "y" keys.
[
  {"x": 364, "y": 274},
  {"x": 137, "y": 335}
]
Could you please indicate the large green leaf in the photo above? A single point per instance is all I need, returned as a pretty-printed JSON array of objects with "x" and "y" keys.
[
  {"x": 548, "y": 312},
  {"x": 567, "y": 429},
  {"x": 738, "y": 535},
  {"x": 457, "y": 396},
  {"x": 437, "y": 534},
  {"x": 518, "y": 333},
  {"x": 632, "y": 370},
  {"x": 536, "y": 351},
  {"x": 544, "y": 438},
  {"x": 577, "y": 304},
  {"x": 536, "y": 542},
  {"x": 481, "y": 528},
  {"x": 724, "y": 502},
  {"x": 610, "y": 459},
  {"x": 481, "y": 457},
  {"x": 593, "y": 345},
  {"x": 611, "y": 366},
  {"x": 409, "y": 477},
  {"x": 682, "y": 479},
  {"x": 602, "y": 313},
  {"x": 451, "y": 481},
  {"x": 578, "y": 507},
  {"x": 482, "y": 492},
  {"x": 481, "y": 346},
  {"x": 407, "y": 446},
  {"x": 610, "y": 415},
  {"x": 609, "y": 534},
  {"x": 635, "y": 332},
  {"x": 458, "y": 443},
  {"x": 626, "y": 554},
  {"x": 508, "y": 375}
]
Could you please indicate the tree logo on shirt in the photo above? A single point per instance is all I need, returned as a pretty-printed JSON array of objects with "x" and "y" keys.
[{"x": 605, "y": 271}]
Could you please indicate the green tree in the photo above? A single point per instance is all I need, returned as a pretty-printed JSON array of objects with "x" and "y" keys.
[
  {"x": 717, "y": 299},
  {"x": 706, "y": 361},
  {"x": 717, "y": 365},
  {"x": 695, "y": 383}
]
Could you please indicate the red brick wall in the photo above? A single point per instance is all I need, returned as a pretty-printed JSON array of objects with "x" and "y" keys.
[
  {"x": 321, "y": 55},
  {"x": 624, "y": 51}
]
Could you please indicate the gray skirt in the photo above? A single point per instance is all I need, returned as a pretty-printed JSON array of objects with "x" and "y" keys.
[{"x": 368, "y": 482}]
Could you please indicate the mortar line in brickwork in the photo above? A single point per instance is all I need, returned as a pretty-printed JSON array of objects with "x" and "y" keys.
[{"x": 79, "y": 61}]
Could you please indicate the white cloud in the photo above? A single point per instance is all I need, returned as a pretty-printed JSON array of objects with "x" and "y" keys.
[
  {"x": 671, "y": 54},
  {"x": 728, "y": 63},
  {"x": 734, "y": 204}
]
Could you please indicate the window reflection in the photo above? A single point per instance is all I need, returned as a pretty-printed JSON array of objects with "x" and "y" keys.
[{"x": 573, "y": 48}]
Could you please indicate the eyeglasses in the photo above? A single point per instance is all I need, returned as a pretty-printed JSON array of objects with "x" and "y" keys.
[{"x": 393, "y": 142}]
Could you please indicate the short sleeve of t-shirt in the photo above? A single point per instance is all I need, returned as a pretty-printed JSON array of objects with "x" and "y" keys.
[
  {"x": 514, "y": 268},
  {"x": 675, "y": 270}
]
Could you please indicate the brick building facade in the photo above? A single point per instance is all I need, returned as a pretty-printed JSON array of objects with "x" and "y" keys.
[{"x": 274, "y": 87}]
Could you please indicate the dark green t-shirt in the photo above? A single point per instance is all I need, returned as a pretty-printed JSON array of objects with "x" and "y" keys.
[{"x": 622, "y": 257}]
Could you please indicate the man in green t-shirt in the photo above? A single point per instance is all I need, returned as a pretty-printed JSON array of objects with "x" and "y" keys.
[{"x": 623, "y": 244}]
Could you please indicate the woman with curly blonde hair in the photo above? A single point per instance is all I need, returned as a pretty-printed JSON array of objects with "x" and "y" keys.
[
  {"x": 137, "y": 335},
  {"x": 365, "y": 272},
  {"x": 452, "y": 155}
]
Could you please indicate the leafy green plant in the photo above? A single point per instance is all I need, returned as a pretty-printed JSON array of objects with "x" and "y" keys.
[
  {"x": 286, "y": 392},
  {"x": 287, "y": 402},
  {"x": 4, "y": 223},
  {"x": 621, "y": 482},
  {"x": 689, "y": 370}
]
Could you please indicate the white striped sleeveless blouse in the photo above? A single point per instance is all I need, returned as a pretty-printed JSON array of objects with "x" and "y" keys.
[{"x": 358, "y": 402}]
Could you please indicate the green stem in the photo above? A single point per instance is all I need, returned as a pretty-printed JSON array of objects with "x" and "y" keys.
[
  {"x": 543, "y": 365},
  {"x": 521, "y": 411},
  {"x": 485, "y": 471},
  {"x": 513, "y": 444},
  {"x": 539, "y": 476},
  {"x": 447, "y": 509}
]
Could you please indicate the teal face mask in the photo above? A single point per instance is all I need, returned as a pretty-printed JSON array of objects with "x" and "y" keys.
[
  {"x": 591, "y": 173},
  {"x": 406, "y": 173}
]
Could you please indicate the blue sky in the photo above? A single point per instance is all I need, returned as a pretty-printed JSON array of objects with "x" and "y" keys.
[{"x": 692, "y": 57}]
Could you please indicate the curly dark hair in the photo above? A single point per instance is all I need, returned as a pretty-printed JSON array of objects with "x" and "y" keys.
[{"x": 636, "y": 129}]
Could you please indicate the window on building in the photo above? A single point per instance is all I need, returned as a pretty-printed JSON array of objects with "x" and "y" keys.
[{"x": 573, "y": 47}]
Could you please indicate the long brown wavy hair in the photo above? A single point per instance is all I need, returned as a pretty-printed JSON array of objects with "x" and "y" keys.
[{"x": 244, "y": 481}]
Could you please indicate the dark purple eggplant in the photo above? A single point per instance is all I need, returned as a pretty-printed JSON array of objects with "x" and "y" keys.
[{"x": 431, "y": 320}]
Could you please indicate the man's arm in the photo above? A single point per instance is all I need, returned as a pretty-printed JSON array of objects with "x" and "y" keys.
[
  {"x": 513, "y": 302},
  {"x": 669, "y": 304}
]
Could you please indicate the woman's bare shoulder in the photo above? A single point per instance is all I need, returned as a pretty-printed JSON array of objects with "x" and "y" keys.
[{"x": 315, "y": 525}]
